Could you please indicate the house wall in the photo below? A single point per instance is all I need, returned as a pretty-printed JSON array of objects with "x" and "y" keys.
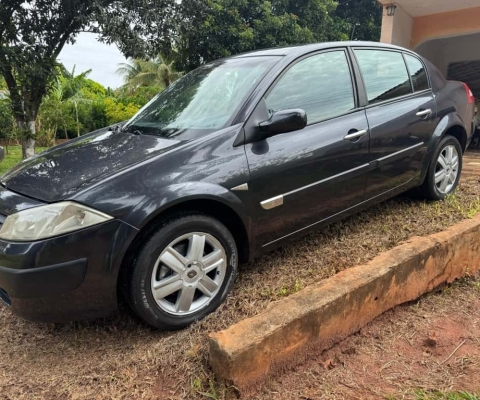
[
  {"x": 454, "y": 23},
  {"x": 443, "y": 52},
  {"x": 406, "y": 31},
  {"x": 397, "y": 29},
  {"x": 402, "y": 27}
]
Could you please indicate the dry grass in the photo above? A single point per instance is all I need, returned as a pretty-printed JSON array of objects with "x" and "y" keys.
[
  {"x": 121, "y": 359},
  {"x": 428, "y": 350}
]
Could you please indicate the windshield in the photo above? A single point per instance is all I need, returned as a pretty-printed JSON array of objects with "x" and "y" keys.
[{"x": 203, "y": 101}]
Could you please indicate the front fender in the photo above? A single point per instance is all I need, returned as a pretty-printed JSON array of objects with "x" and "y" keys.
[
  {"x": 152, "y": 206},
  {"x": 148, "y": 208}
]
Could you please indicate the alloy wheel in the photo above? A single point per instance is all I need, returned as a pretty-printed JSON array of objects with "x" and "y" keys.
[
  {"x": 446, "y": 169},
  {"x": 189, "y": 273}
]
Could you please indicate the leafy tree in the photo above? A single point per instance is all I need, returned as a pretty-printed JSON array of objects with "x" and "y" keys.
[
  {"x": 6, "y": 118},
  {"x": 158, "y": 72},
  {"x": 118, "y": 112},
  {"x": 33, "y": 33},
  {"x": 7, "y": 123},
  {"x": 227, "y": 27},
  {"x": 74, "y": 94},
  {"x": 76, "y": 105},
  {"x": 59, "y": 108},
  {"x": 53, "y": 117},
  {"x": 362, "y": 17},
  {"x": 90, "y": 88},
  {"x": 140, "y": 97}
]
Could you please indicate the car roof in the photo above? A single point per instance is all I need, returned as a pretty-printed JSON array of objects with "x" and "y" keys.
[{"x": 296, "y": 51}]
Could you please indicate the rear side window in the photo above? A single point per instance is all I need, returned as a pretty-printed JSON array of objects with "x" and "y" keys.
[
  {"x": 384, "y": 73},
  {"x": 321, "y": 85},
  {"x": 417, "y": 73}
]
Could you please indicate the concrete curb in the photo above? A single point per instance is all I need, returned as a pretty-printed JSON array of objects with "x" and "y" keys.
[{"x": 311, "y": 321}]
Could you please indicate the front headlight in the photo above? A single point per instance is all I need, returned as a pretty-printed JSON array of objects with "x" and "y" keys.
[{"x": 50, "y": 220}]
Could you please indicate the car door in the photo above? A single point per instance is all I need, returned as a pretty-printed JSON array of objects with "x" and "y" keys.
[
  {"x": 301, "y": 178},
  {"x": 401, "y": 115}
]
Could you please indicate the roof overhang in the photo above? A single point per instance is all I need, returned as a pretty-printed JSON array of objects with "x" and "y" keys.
[{"x": 418, "y": 8}]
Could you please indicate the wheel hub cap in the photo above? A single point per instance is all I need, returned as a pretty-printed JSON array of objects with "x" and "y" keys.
[
  {"x": 447, "y": 169},
  {"x": 189, "y": 273},
  {"x": 192, "y": 274}
]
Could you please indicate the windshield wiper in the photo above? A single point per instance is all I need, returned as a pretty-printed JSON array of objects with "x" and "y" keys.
[{"x": 131, "y": 129}]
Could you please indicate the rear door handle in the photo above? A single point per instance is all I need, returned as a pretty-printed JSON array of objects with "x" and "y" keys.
[
  {"x": 355, "y": 135},
  {"x": 424, "y": 113}
]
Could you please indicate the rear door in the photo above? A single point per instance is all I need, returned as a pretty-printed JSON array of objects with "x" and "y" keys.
[
  {"x": 301, "y": 178},
  {"x": 401, "y": 115}
]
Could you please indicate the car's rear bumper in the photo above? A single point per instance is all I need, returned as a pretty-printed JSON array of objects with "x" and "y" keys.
[{"x": 70, "y": 277}]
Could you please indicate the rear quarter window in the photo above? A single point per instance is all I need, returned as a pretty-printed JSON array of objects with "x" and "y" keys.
[{"x": 417, "y": 73}]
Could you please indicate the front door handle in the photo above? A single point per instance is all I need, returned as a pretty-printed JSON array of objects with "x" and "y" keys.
[
  {"x": 424, "y": 113},
  {"x": 355, "y": 135}
]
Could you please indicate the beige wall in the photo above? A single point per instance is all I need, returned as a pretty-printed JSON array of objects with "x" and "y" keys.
[
  {"x": 402, "y": 28},
  {"x": 397, "y": 29},
  {"x": 454, "y": 23},
  {"x": 406, "y": 31}
]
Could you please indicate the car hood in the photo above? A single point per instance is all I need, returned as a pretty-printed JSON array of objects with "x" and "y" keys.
[{"x": 64, "y": 170}]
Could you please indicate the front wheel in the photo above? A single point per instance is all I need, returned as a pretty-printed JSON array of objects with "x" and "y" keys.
[
  {"x": 445, "y": 169},
  {"x": 183, "y": 272}
]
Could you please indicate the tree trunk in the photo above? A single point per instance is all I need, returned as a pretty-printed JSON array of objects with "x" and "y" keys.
[
  {"x": 26, "y": 126},
  {"x": 28, "y": 143},
  {"x": 76, "y": 114}
]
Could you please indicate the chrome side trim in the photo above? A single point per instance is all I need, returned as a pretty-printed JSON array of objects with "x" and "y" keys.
[
  {"x": 335, "y": 215},
  {"x": 278, "y": 200},
  {"x": 272, "y": 203},
  {"x": 364, "y": 166},
  {"x": 241, "y": 188},
  {"x": 400, "y": 152}
]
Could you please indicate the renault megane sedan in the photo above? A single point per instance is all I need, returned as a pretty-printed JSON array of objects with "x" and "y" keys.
[{"x": 231, "y": 161}]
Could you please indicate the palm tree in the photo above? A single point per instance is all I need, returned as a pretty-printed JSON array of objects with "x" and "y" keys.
[
  {"x": 138, "y": 73},
  {"x": 66, "y": 89}
]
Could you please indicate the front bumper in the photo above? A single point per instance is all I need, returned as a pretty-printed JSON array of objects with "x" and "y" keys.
[
  {"x": 69, "y": 277},
  {"x": 43, "y": 281}
]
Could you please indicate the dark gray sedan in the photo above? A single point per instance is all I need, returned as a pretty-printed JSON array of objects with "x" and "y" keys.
[{"x": 231, "y": 161}]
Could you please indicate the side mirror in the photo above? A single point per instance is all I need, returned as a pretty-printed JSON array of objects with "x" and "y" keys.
[{"x": 282, "y": 122}]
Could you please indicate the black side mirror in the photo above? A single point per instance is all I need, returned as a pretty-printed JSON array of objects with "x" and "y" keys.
[{"x": 282, "y": 122}]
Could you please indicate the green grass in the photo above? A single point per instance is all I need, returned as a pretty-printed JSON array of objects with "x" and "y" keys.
[
  {"x": 436, "y": 395},
  {"x": 421, "y": 395},
  {"x": 13, "y": 157}
]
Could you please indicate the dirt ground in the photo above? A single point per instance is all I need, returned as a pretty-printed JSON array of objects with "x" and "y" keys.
[
  {"x": 119, "y": 358},
  {"x": 429, "y": 345}
]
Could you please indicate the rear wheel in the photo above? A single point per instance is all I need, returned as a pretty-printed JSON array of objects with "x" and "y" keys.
[
  {"x": 183, "y": 272},
  {"x": 445, "y": 169}
]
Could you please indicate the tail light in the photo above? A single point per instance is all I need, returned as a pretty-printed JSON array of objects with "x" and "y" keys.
[{"x": 470, "y": 96}]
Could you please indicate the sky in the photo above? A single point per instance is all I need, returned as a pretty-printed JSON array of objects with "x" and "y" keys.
[{"x": 88, "y": 53}]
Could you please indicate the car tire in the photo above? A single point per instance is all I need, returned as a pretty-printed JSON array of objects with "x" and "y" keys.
[
  {"x": 445, "y": 169},
  {"x": 174, "y": 281}
]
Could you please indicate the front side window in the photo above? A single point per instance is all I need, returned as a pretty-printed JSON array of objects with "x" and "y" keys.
[
  {"x": 384, "y": 73},
  {"x": 202, "y": 101},
  {"x": 321, "y": 85},
  {"x": 417, "y": 73}
]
